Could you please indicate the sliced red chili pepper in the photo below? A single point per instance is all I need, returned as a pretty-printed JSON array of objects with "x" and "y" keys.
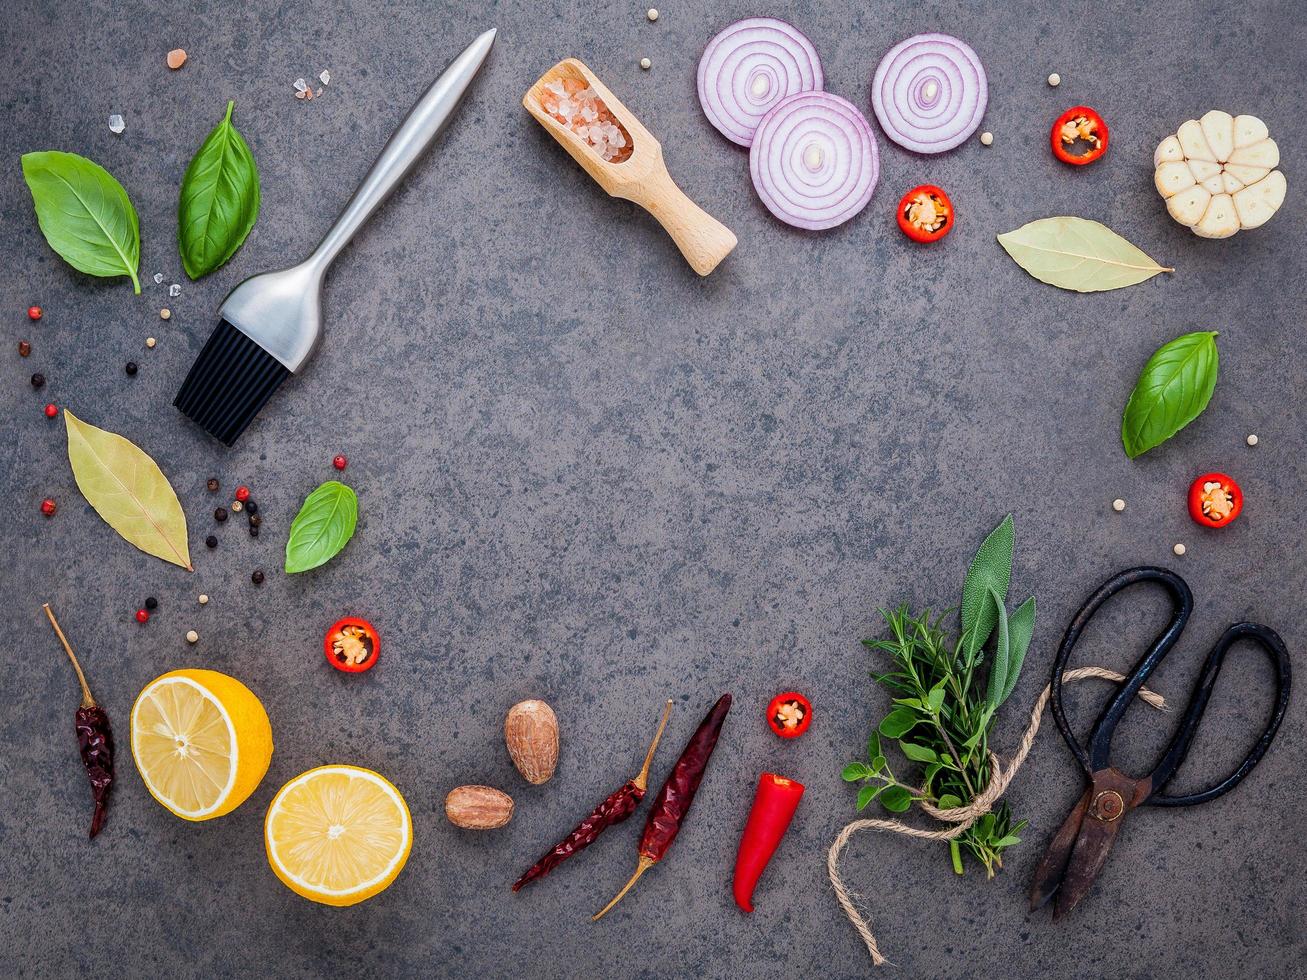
[
  {"x": 773, "y": 809},
  {"x": 1079, "y": 126},
  {"x": 925, "y": 214},
  {"x": 1215, "y": 500},
  {"x": 352, "y": 645},
  {"x": 789, "y": 714}
]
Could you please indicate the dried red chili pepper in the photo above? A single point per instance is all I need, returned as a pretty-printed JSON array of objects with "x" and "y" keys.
[
  {"x": 1215, "y": 500},
  {"x": 789, "y": 714},
  {"x": 617, "y": 808},
  {"x": 1079, "y": 124},
  {"x": 673, "y": 801},
  {"x": 773, "y": 809},
  {"x": 94, "y": 737}
]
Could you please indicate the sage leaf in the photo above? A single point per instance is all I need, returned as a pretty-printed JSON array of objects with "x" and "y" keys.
[
  {"x": 898, "y": 723},
  {"x": 323, "y": 526},
  {"x": 918, "y": 753},
  {"x": 127, "y": 489},
  {"x": 896, "y": 799},
  {"x": 219, "y": 200},
  {"x": 1021, "y": 628},
  {"x": 84, "y": 214},
  {"x": 990, "y": 569},
  {"x": 1173, "y": 389},
  {"x": 867, "y": 794},
  {"x": 1078, "y": 254},
  {"x": 999, "y": 668}
]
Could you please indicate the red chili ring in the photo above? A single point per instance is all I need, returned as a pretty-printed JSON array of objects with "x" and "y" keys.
[
  {"x": 1218, "y": 506},
  {"x": 942, "y": 204},
  {"x": 1097, "y": 127},
  {"x": 352, "y": 645},
  {"x": 785, "y": 727}
]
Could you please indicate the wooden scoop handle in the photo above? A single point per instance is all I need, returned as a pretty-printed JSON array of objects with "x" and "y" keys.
[{"x": 702, "y": 239}]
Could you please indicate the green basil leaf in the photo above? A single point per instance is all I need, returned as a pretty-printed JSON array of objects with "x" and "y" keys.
[
  {"x": 998, "y": 669},
  {"x": 898, "y": 723},
  {"x": 867, "y": 794},
  {"x": 990, "y": 569},
  {"x": 855, "y": 771},
  {"x": 219, "y": 200},
  {"x": 323, "y": 526},
  {"x": 918, "y": 753},
  {"x": 896, "y": 799},
  {"x": 1173, "y": 389},
  {"x": 1021, "y": 627},
  {"x": 84, "y": 213}
]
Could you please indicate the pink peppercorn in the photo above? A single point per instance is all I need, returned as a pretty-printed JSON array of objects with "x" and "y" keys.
[
  {"x": 51, "y": 410},
  {"x": 242, "y": 494},
  {"x": 48, "y": 507},
  {"x": 340, "y": 462},
  {"x": 34, "y": 312},
  {"x": 142, "y": 615}
]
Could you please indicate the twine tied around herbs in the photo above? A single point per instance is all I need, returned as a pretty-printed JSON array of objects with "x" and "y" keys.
[{"x": 964, "y": 816}]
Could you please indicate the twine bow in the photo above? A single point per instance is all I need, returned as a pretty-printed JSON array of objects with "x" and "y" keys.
[{"x": 964, "y": 816}]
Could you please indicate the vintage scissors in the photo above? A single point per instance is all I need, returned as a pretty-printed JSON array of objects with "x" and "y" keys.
[{"x": 1079, "y": 850}]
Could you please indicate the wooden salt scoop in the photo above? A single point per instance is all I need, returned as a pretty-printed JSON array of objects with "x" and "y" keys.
[{"x": 642, "y": 177}]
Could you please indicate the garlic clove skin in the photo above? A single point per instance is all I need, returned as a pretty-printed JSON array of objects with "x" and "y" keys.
[
  {"x": 1168, "y": 151},
  {"x": 1264, "y": 154},
  {"x": 1194, "y": 143},
  {"x": 1256, "y": 204},
  {"x": 1218, "y": 127},
  {"x": 1220, "y": 220},
  {"x": 1172, "y": 178},
  {"x": 1188, "y": 206},
  {"x": 1249, "y": 130}
]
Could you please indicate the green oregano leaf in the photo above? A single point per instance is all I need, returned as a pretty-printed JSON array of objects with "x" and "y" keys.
[
  {"x": 323, "y": 526},
  {"x": 895, "y": 799},
  {"x": 84, "y": 214},
  {"x": 1173, "y": 389},
  {"x": 219, "y": 200},
  {"x": 867, "y": 794},
  {"x": 898, "y": 722},
  {"x": 918, "y": 753},
  {"x": 855, "y": 771},
  {"x": 990, "y": 569}
]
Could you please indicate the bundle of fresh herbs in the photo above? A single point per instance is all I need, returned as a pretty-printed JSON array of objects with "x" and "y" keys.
[{"x": 947, "y": 693}]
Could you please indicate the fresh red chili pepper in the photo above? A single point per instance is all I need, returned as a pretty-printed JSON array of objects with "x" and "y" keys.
[
  {"x": 94, "y": 737},
  {"x": 617, "y": 808},
  {"x": 1079, "y": 124},
  {"x": 673, "y": 801},
  {"x": 773, "y": 809},
  {"x": 351, "y": 645},
  {"x": 1215, "y": 500},
  {"x": 925, "y": 214},
  {"x": 789, "y": 714}
]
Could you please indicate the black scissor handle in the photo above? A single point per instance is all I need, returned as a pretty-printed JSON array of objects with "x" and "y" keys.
[
  {"x": 1095, "y": 757},
  {"x": 1268, "y": 640}
]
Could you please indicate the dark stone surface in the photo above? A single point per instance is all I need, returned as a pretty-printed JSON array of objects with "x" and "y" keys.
[{"x": 587, "y": 475}]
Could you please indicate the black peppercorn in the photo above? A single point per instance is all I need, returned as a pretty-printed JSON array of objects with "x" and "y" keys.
[
  {"x": 251, "y": 506},
  {"x": 38, "y": 380},
  {"x": 254, "y": 531},
  {"x": 151, "y": 603},
  {"x": 220, "y": 514},
  {"x": 255, "y": 520},
  {"x": 213, "y": 484},
  {"x": 257, "y": 577},
  {"x": 211, "y": 541},
  {"x": 131, "y": 368}
]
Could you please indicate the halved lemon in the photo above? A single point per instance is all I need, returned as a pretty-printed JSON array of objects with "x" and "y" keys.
[
  {"x": 338, "y": 834},
  {"x": 201, "y": 741}
]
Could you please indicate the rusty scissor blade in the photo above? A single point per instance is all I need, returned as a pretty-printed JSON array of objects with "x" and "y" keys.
[
  {"x": 1052, "y": 867},
  {"x": 1111, "y": 794}
]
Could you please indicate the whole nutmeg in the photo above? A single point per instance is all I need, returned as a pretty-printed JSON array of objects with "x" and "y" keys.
[
  {"x": 531, "y": 731},
  {"x": 478, "y": 807}
]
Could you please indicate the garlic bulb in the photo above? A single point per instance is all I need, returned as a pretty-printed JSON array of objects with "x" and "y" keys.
[{"x": 1218, "y": 174}]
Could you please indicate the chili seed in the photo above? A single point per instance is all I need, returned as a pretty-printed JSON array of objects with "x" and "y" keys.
[
  {"x": 142, "y": 615},
  {"x": 150, "y": 342},
  {"x": 1118, "y": 505},
  {"x": 652, "y": 14},
  {"x": 151, "y": 603},
  {"x": 340, "y": 462},
  {"x": 165, "y": 314},
  {"x": 192, "y": 636},
  {"x": 34, "y": 312},
  {"x": 51, "y": 410},
  {"x": 237, "y": 506},
  {"x": 646, "y": 64},
  {"x": 176, "y": 58},
  {"x": 48, "y": 507},
  {"x": 1179, "y": 549},
  {"x": 213, "y": 484},
  {"x": 204, "y": 599},
  {"x": 220, "y": 514},
  {"x": 242, "y": 493},
  {"x": 38, "y": 380},
  {"x": 251, "y": 507},
  {"x": 130, "y": 368},
  {"x": 24, "y": 348},
  {"x": 211, "y": 541},
  {"x": 986, "y": 139},
  {"x": 1252, "y": 440},
  {"x": 1055, "y": 79},
  {"x": 257, "y": 577}
]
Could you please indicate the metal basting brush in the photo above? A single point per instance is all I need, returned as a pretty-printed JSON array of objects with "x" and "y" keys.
[{"x": 271, "y": 323}]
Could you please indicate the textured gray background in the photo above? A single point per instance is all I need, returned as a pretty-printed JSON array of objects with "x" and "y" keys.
[{"x": 589, "y": 476}]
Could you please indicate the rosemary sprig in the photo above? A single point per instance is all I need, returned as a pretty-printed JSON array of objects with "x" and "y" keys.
[{"x": 942, "y": 716}]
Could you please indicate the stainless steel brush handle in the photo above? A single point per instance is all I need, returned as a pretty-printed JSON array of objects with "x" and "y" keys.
[{"x": 423, "y": 124}]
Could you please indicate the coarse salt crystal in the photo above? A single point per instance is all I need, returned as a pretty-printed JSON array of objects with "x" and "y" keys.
[
  {"x": 301, "y": 85},
  {"x": 116, "y": 123},
  {"x": 158, "y": 278},
  {"x": 324, "y": 77},
  {"x": 174, "y": 290}
]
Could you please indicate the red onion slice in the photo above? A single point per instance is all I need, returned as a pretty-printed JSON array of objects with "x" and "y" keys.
[
  {"x": 930, "y": 93},
  {"x": 748, "y": 68},
  {"x": 814, "y": 160}
]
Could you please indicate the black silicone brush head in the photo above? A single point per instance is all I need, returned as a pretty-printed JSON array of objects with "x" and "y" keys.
[{"x": 229, "y": 382}]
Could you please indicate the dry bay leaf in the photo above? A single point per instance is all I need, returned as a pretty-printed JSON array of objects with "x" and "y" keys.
[
  {"x": 127, "y": 488},
  {"x": 1078, "y": 254}
]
